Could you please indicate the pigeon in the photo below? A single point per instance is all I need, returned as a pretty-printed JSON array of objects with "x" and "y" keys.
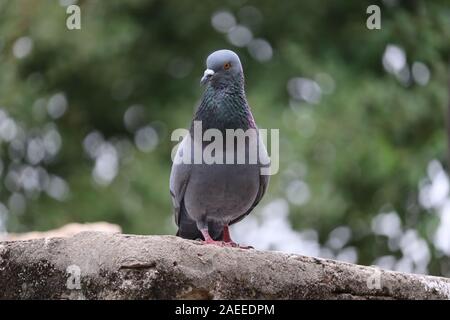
[{"x": 209, "y": 197}]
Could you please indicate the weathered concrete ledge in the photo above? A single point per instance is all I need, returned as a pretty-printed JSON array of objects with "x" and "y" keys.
[{"x": 96, "y": 265}]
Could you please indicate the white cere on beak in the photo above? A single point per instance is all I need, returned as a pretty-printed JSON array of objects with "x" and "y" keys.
[{"x": 206, "y": 76}]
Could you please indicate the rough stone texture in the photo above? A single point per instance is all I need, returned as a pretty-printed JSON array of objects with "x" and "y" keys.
[{"x": 118, "y": 266}]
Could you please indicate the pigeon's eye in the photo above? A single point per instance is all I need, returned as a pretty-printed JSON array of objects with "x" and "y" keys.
[{"x": 227, "y": 66}]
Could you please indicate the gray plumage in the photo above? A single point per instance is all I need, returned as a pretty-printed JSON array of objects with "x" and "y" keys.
[{"x": 212, "y": 196}]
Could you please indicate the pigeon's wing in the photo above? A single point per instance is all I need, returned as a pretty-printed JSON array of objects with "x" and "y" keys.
[
  {"x": 179, "y": 178},
  {"x": 264, "y": 162},
  {"x": 263, "y": 183}
]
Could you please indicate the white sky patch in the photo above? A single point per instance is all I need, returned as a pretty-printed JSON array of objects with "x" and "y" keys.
[
  {"x": 57, "y": 188},
  {"x": 416, "y": 249},
  {"x": 442, "y": 236},
  {"x": 52, "y": 141},
  {"x": 421, "y": 73},
  {"x": 434, "y": 195},
  {"x": 240, "y": 36},
  {"x": 260, "y": 49},
  {"x": 22, "y": 47},
  {"x": 297, "y": 192},
  {"x": 394, "y": 59},
  {"x": 17, "y": 203},
  {"x": 134, "y": 117},
  {"x": 434, "y": 191},
  {"x": 8, "y": 128},
  {"x": 339, "y": 237},
  {"x": 304, "y": 89},
  {"x": 272, "y": 230},
  {"x": 3, "y": 218},
  {"x": 326, "y": 82},
  {"x": 223, "y": 21},
  {"x": 349, "y": 254},
  {"x": 387, "y": 224},
  {"x": 106, "y": 164},
  {"x": 146, "y": 139},
  {"x": 57, "y": 105},
  {"x": 92, "y": 143}
]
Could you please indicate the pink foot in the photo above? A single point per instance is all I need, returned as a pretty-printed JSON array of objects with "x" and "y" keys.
[
  {"x": 209, "y": 240},
  {"x": 227, "y": 242},
  {"x": 231, "y": 243}
]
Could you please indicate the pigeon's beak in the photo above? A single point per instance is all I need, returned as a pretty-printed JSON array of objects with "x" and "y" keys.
[{"x": 206, "y": 76}]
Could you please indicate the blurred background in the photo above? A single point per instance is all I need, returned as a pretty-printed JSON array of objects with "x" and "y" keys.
[{"x": 86, "y": 117}]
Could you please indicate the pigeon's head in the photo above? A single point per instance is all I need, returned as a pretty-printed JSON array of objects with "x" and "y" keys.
[{"x": 222, "y": 66}]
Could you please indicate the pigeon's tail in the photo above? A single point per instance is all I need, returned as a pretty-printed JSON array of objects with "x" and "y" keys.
[
  {"x": 189, "y": 233},
  {"x": 187, "y": 227}
]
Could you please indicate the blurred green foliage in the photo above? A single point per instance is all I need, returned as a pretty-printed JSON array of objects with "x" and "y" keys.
[{"x": 362, "y": 149}]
